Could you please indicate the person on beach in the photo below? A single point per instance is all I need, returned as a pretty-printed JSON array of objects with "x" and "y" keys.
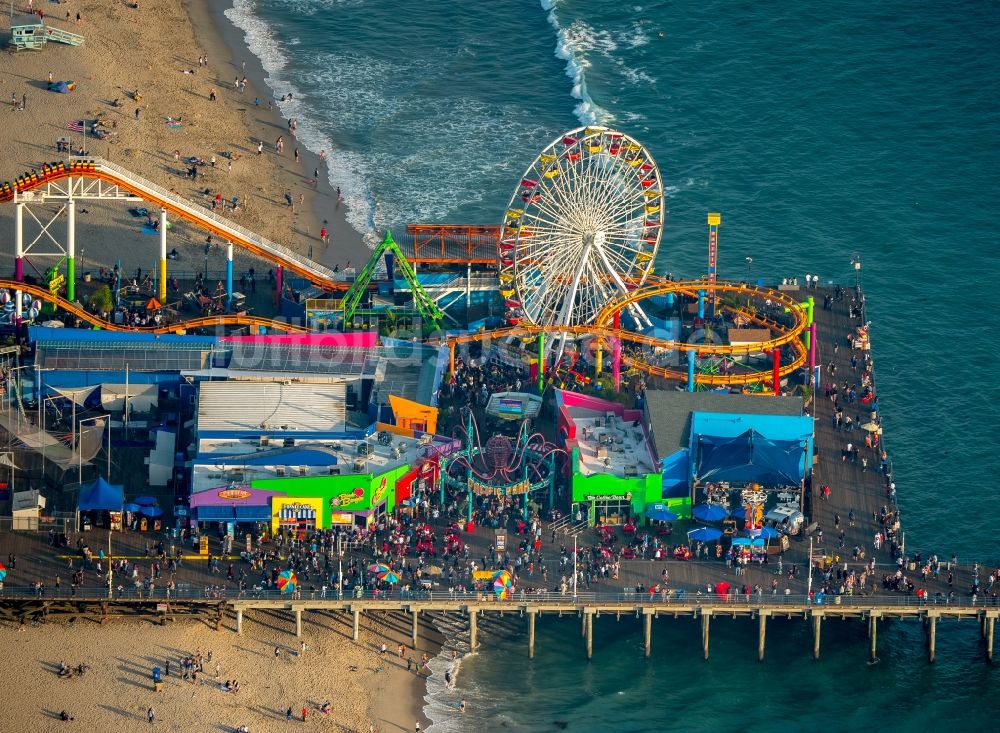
[
  {"x": 212, "y": 96},
  {"x": 288, "y": 714},
  {"x": 461, "y": 706},
  {"x": 150, "y": 715},
  {"x": 324, "y": 237}
]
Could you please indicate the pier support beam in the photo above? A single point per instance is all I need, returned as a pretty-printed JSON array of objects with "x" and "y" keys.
[
  {"x": 298, "y": 622},
  {"x": 931, "y": 637},
  {"x": 989, "y": 638},
  {"x": 531, "y": 634},
  {"x": 163, "y": 257},
  {"x": 589, "y": 619},
  {"x": 872, "y": 637},
  {"x": 473, "y": 631},
  {"x": 413, "y": 637},
  {"x": 239, "y": 622},
  {"x": 71, "y": 250},
  {"x": 761, "y": 633},
  {"x": 357, "y": 623},
  {"x": 817, "y": 625},
  {"x": 647, "y": 630},
  {"x": 706, "y": 618}
]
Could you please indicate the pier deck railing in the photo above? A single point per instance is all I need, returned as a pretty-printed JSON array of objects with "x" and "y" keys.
[{"x": 516, "y": 599}]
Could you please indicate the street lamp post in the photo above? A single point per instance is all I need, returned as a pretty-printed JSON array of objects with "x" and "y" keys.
[
  {"x": 809, "y": 582},
  {"x": 749, "y": 262}
]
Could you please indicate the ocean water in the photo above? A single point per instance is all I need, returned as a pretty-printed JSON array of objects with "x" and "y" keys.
[{"x": 823, "y": 133}]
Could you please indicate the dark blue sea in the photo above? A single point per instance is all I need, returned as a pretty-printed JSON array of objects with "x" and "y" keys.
[{"x": 824, "y": 133}]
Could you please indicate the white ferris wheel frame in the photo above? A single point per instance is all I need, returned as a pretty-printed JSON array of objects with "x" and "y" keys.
[{"x": 583, "y": 226}]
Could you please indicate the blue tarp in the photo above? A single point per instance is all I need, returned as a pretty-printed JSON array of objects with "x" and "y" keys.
[
  {"x": 101, "y": 495},
  {"x": 749, "y": 457}
]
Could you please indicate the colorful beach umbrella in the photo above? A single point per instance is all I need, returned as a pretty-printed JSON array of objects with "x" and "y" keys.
[
  {"x": 3, "y": 572},
  {"x": 378, "y": 568},
  {"x": 502, "y": 582},
  {"x": 287, "y": 580},
  {"x": 389, "y": 576}
]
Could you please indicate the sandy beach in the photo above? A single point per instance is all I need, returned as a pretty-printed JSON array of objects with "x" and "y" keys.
[
  {"x": 362, "y": 686},
  {"x": 148, "y": 51}
]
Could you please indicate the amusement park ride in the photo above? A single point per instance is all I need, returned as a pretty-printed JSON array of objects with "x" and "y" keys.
[
  {"x": 502, "y": 467},
  {"x": 574, "y": 263}
]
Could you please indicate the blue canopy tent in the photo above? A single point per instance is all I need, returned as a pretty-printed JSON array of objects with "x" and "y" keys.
[
  {"x": 749, "y": 458},
  {"x": 101, "y": 495},
  {"x": 710, "y": 512}
]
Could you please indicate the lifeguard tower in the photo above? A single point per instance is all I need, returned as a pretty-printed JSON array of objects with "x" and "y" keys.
[{"x": 30, "y": 32}]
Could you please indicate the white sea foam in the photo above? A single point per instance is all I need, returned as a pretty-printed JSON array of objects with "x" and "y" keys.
[
  {"x": 348, "y": 171},
  {"x": 571, "y": 45}
]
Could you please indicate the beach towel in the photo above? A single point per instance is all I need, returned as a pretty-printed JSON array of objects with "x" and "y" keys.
[{"x": 62, "y": 87}]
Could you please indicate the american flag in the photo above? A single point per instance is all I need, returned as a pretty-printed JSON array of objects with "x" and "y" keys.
[{"x": 75, "y": 125}]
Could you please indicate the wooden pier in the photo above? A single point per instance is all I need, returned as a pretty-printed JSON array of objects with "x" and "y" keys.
[{"x": 473, "y": 608}]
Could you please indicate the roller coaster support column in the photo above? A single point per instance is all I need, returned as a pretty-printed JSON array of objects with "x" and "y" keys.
[
  {"x": 163, "y": 257},
  {"x": 691, "y": 358},
  {"x": 229, "y": 276},
  {"x": 451, "y": 359},
  {"x": 616, "y": 364},
  {"x": 541, "y": 362},
  {"x": 618, "y": 320},
  {"x": 19, "y": 243},
  {"x": 701, "y": 305},
  {"x": 71, "y": 250},
  {"x": 809, "y": 303},
  {"x": 812, "y": 352},
  {"x": 776, "y": 377}
]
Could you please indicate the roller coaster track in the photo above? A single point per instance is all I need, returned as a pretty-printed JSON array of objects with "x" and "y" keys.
[
  {"x": 788, "y": 336},
  {"x": 181, "y": 326},
  {"x": 99, "y": 169}
]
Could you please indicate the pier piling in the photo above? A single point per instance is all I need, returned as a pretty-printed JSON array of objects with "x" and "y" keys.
[
  {"x": 931, "y": 637},
  {"x": 761, "y": 632},
  {"x": 706, "y": 617},
  {"x": 872, "y": 637},
  {"x": 589, "y": 622},
  {"x": 817, "y": 625},
  {"x": 473, "y": 631},
  {"x": 989, "y": 638},
  {"x": 239, "y": 622},
  {"x": 357, "y": 621},
  {"x": 531, "y": 634},
  {"x": 414, "y": 613},
  {"x": 298, "y": 622},
  {"x": 647, "y": 624}
]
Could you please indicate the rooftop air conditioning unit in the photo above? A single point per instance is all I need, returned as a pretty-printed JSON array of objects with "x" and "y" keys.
[
  {"x": 426, "y": 439},
  {"x": 359, "y": 465},
  {"x": 630, "y": 471}
]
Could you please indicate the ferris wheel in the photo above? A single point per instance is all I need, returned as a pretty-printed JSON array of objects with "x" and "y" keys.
[{"x": 582, "y": 226}]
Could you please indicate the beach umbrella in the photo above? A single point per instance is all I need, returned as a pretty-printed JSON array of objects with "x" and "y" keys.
[
  {"x": 133, "y": 508},
  {"x": 710, "y": 512},
  {"x": 660, "y": 513},
  {"x": 705, "y": 534},
  {"x": 378, "y": 568},
  {"x": 502, "y": 582},
  {"x": 153, "y": 304},
  {"x": 287, "y": 580},
  {"x": 3, "y": 572},
  {"x": 389, "y": 576},
  {"x": 146, "y": 501},
  {"x": 151, "y": 511},
  {"x": 741, "y": 542},
  {"x": 870, "y": 427}
]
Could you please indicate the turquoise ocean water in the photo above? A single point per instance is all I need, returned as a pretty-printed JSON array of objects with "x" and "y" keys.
[{"x": 822, "y": 132}]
